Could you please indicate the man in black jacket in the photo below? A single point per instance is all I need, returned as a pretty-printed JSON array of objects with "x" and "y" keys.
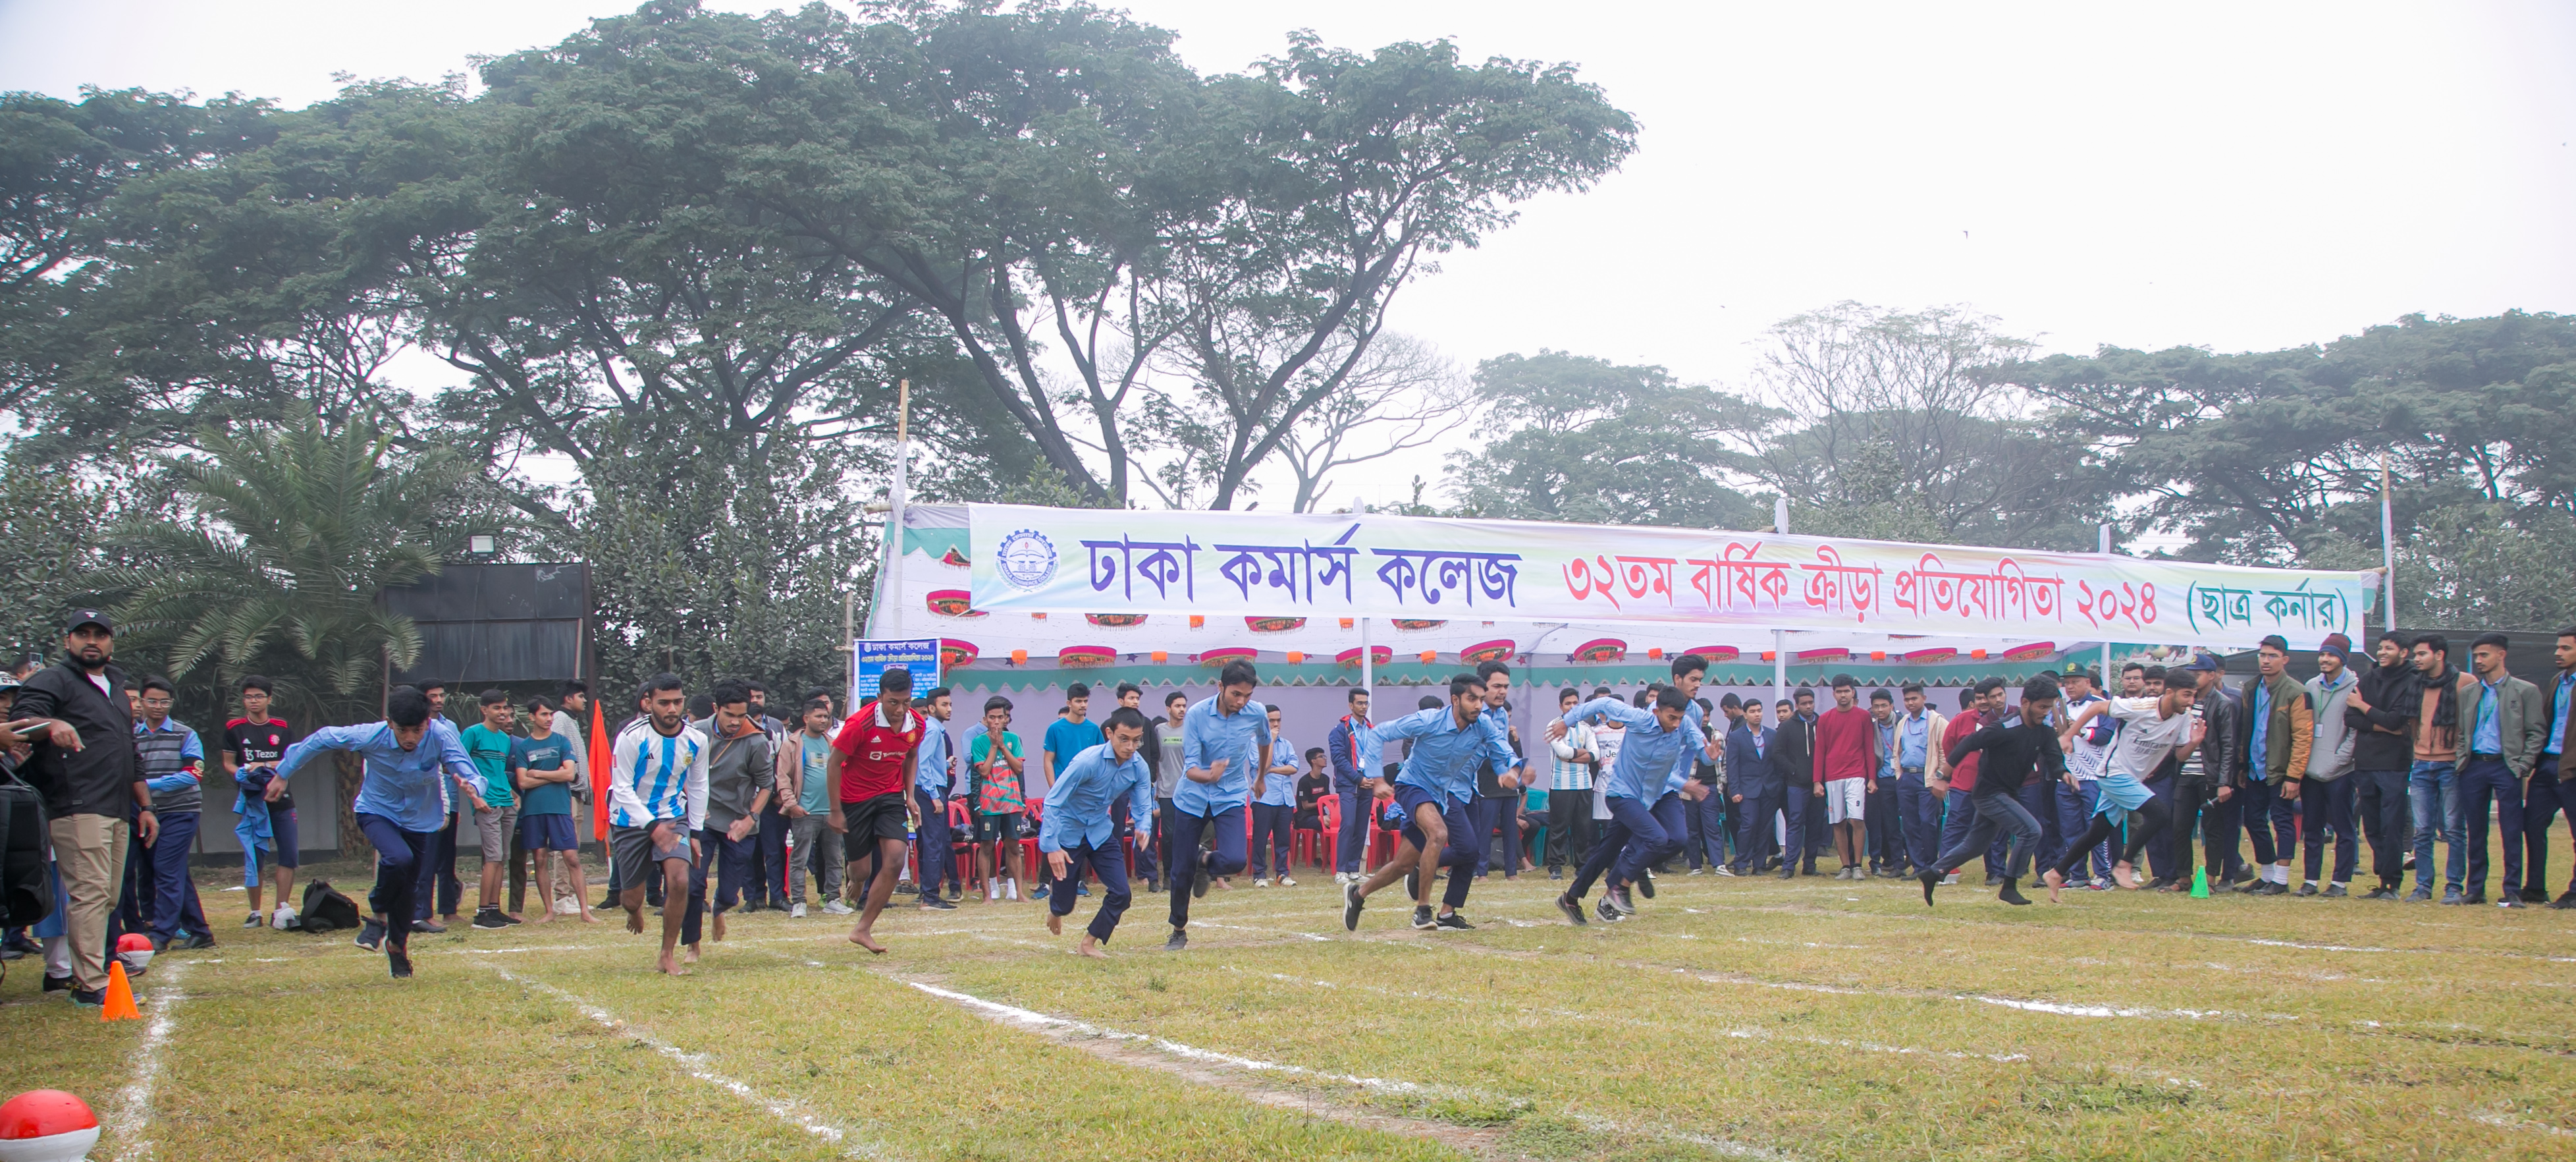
[
  {"x": 1797, "y": 768},
  {"x": 2206, "y": 786},
  {"x": 2383, "y": 749},
  {"x": 84, "y": 767}
]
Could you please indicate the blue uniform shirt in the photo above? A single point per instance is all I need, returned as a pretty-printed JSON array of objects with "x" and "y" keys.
[
  {"x": 2255, "y": 754},
  {"x": 930, "y": 762},
  {"x": 2490, "y": 736},
  {"x": 1445, "y": 756},
  {"x": 1280, "y": 790},
  {"x": 2558, "y": 719},
  {"x": 409, "y": 787},
  {"x": 1914, "y": 741},
  {"x": 1207, "y": 736},
  {"x": 1079, "y": 800},
  {"x": 1648, "y": 752}
]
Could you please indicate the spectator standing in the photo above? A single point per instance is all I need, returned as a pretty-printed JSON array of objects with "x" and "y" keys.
[
  {"x": 2325, "y": 796},
  {"x": 1000, "y": 802},
  {"x": 445, "y": 891},
  {"x": 263, "y": 810},
  {"x": 2212, "y": 786},
  {"x": 172, "y": 761},
  {"x": 1753, "y": 785},
  {"x": 2380, "y": 710},
  {"x": 2506, "y": 728},
  {"x": 2442, "y": 694},
  {"x": 543, "y": 770},
  {"x": 801, "y": 781},
  {"x": 2280, "y": 730},
  {"x": 2548, "y": 792},
  {"x": 1163, "y": 752},
  {"x": 1801, "y": 794},
  {"x": 766, "y": 887},
  {"x": 1569, "y": 789},
  {"x": 496, "y": 807},
  {"x": 2086, "y": 749},
  {"x": 1886, "y": 841},
  {"x": 1274, "y": 809},
  {"x": 1070, "y": 734},
  {"x": 934, "y": 772},
  {"x": 1918, "y": 753},
  {"x": 1353, "y": 783},
  {"x": 1846, "y": 764}
]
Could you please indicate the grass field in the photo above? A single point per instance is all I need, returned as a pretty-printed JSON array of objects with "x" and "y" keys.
[{"x": 1735, "y": 1018}]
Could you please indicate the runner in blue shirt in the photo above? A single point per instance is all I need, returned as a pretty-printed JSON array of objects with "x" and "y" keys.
[
  {"x": 1078, "y": 830},
  {"x": 1223, "y": 740},
  {"x": 1450, "y": 745},
  {"x": 403, "y": 801},
  {"x": 1641, "y": 785}
]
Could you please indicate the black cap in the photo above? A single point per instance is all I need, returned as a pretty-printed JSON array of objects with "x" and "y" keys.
[{"x": 96, "y": 617}]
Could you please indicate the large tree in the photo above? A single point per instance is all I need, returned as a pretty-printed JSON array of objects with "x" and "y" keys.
[{"x": 1600, "y": 443}]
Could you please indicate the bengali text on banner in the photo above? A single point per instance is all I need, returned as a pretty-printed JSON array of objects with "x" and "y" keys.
[{"x": 1322, "y": 564}]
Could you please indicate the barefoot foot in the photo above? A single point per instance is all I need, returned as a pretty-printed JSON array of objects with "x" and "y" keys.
[
  {"x": 1055, "y": 924},
  {"x": 720, "y": 925},
  {"x": 2124, "y": 875},
  {"x": 2054, "y": 881},
  {"x": 635, "y": 920},
  {"x": 670, "y": 966},
  {"x": 860, "y": 937},
  {"x": 1091, "y": 948}
]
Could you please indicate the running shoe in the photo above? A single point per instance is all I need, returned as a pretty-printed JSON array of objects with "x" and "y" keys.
[
  {"x": 1723, "y": 870},
  {"x": 796, "y": 912},
  {"x": 1423, "y": 919},
  {"x": 1618, "y": 900},
  {"x": 1261, "y": 882},
  {"x": 1454, "y": 923},
  {"x": 1352, "y": 902},
  {"x": 252, "y": 921},
  {"x": 371, "y": 935},
  {"x": 1180, "y": 940},
  {"x": 1646, "y": 882},
  {"x": 399, "y": 962},
  {"x": 1607, "y": 912},
  {"x": 838, "y": 908},
  {"x": 1287, "y": 882},
  {"x": 1572, "y": 908},
  {"x": 489, "y": 918}
]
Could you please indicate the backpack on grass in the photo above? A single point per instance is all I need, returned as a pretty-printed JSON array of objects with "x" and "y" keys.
[
  {"x": 26, "y": 885},
  {"x": 326, "y": 908}
]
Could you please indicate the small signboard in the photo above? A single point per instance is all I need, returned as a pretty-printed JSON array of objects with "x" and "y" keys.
[{"x": 870, "y": 659}]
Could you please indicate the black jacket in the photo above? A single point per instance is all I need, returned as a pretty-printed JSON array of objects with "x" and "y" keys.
[
  {"x": 2394, "y": 696},
  {"x": 1796, "y": 760},
  {"x": 99, "y": 778},
  {"x": 2220, "y": 761}
]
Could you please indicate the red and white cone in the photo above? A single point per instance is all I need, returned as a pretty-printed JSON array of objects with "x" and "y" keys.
[
  {"x": 135, "y": 949},
  {"x": 46, "y": 1125}
]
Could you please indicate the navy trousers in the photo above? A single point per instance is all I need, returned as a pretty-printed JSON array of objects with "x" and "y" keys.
[
  {"x": 1110, "y": 864},
  {"x": 1273, "y": 825},
  {"x": 768, "y": 860},
  {"x": 438, "y": 882},
  {"x": 1638, "y": 837},
  {"x": 1352, "y": 844},
  {"x": 2485, "y": 780},
  {"x": 1144, "y": 867},
  {"x": 401, "y": 856},
  {"x": 938, "y": 853},
  {"x": 1919, "y": 819},
  {"x": 174, "y": 894},
  {"x": 2540, "y": 804},
  {"x": 730, "y": 861},
  {"x": 1224, "y": 832},
  {"x": 1753, "y": 821},
  {"x": 2326, "y": 807},
  {"x": 1958, "y": 815}
]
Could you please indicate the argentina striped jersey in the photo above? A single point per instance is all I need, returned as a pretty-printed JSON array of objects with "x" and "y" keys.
[{"x": 658, "y": 776}]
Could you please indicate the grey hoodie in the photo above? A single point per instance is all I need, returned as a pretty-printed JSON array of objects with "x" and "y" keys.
[
  {"x": 2331, "y": 757},
  {"x": 738, "y": 770}
]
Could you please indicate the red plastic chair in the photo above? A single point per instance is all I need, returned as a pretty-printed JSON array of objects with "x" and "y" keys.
[{"x": 1315, "y": 845}]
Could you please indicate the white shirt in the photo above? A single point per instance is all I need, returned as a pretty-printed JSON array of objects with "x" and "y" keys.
[{"x": 2145, "y": 739}]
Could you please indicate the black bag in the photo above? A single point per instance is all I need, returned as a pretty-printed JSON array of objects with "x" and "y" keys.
[
  {"x": 26, "y": 883},
  {"x": 326, "y": 908}
]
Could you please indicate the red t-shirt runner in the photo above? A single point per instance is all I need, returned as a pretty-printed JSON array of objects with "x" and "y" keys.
[{"x": 876, "y": 755}]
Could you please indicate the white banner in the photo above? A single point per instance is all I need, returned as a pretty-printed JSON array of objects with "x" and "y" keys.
[{"x": 1108, "y": 561}]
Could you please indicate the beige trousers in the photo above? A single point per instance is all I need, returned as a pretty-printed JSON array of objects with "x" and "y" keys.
[{"x": 89, "y": 853}]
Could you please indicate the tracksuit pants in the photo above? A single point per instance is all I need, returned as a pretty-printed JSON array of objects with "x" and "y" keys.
[
  {"x": 2485, "y": 779},
  {"x": 2326, "y": 806},
  {"x": 1225, "y": 835},
  {"x": 1110, "y": 864},
  {"x": 1997, "y": 812}
]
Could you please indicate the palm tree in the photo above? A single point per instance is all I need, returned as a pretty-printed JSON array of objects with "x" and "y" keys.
[{"x": 296, "y": 529}]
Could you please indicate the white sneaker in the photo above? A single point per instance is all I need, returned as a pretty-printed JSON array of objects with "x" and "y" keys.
[
  {"x": 567, "y": 906},
  {"x": 1726, "y": 871},
  {"x": 796, "y": 911},
  {"x": 1259, "y": 883},
  {"x": 838, "y": 908},
  {"x": 1011, "y": 889},
  {"x": 1286, "y": 882},
  {"x": 1950, "y": 880},
  {"x": 284, "y": 918}
]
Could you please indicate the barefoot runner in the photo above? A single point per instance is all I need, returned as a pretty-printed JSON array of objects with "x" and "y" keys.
[
  {"x": 657, "y": 786},
  {"x": 2150, "y": 729},
  {"x": 872, "y": 762},
  {"x": 1078, "y": 829}
]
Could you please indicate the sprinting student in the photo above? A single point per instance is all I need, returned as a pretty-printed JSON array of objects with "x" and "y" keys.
[
  {"x": 411, "y": 771},
  {"x": 1640, "y": 783},
  {"x": 741, "y": 772},
  {"x": 871, "y": 763},
  {"x": 543, "y": 769},
  {"x": 1078, "y": 831},
  {"x": 262, "y": 807},
  {"x": 2150, "y": 730},
  {"x": 496, "y": 812},
  {"x": 1274, "y": 810},
  {"x": 1226, "y": 739},
  {"x": 657, "y": 801},
  {"x": 1448, "y": 746},
  {"x": 1000, "y": 803},
  {"x": 2008, "y": 756}
]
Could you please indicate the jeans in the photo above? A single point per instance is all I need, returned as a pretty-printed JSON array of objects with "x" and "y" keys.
[
  {"x": 1110, "y": 864},
  {"x": 2379, "y": 800},
  {"x": 937, "y": 854},
  {"x": 2257, "y": 800},
  {"x": 1225, "y": 834},
  {"x": 1351, "y": 846},
  {"x": 1919, "y": 819},
  {"x": 2540, "y": 804},
  {"x": 1273, "y": 825},
  {"x": 1997, "y": 812},
  {"x": 1569, "y": 827},
  {"x": 2074, "y": 818},
  {"x": 2481, "y": 780},
  {"x": 401, "y": 858},
  {"x": 2433, "y": 792},
  {"x": 730, "y": 860},
  {"x": 2323, "y": 807},
  {"x": 818, "y": 847}
]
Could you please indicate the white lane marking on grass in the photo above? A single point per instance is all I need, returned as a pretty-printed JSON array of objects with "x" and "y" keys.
[
  {"x": 133, "y": 1112},
  {"x": 784, "y": 1109},
  {"x": 2513, "y": 1123},
  {"x": 1265, "y": 931},
  {"x": 1871, "y": 1046},
  {"x": 1033, "y": 1020}
]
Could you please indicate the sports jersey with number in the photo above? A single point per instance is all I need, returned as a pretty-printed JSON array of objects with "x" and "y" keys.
[
  {"x": 876, "y": 755},
  {"x": 259, "y": 744}
]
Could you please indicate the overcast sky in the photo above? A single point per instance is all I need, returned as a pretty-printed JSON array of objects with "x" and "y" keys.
[{"x": 2235, "y": 176}]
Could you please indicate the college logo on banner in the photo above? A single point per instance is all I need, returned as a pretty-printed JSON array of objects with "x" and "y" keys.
[{"x": 1026, "y": 559}]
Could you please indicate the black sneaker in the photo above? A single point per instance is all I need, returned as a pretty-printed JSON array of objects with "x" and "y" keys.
[
  {"x": 89, "y": 998},
  {"x": 1423, "y": 919},
  {"x": 2241, "y": 875},
  {"x": 1454, "y": 923},
  {"x": 371, "y": 935},
  {"x": 2535, "y": 895},
  {"x": 200, "y": 940},
  {"x": 57, "y": 984},
  {"x": 1608, "y": 912},
  {"x": 2565, "y": 901},
  {"x": 1572, "y": 908},
  {"x": 252, "y": 922},
  {"x": 1931, "y": 880},
  {"x": 935, "y": 904},
  {"x": 1646, "y": 882},
  {"x": 906, "y": 888},
  {"x": 1352, "y": 902},
  {"x": 400, "y": 962},
  {"x": 2307, "y": 889},
  {"x": 1180, "y": 940},
  {"x": 1993, "y": 880},
  {"x": 2335, "y": 892},
  {"x": 1199, "y": 880},
  {"x": 428, "y": 927},
  {"x": 489, "y": 918},
  {"x": 1556, "y": 873}
]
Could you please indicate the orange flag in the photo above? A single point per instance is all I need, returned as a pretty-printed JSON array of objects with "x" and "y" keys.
[{"x": 602, "y": 756}]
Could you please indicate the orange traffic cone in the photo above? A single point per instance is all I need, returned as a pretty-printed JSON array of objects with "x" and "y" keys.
[{"x": 120, "y": 996}]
